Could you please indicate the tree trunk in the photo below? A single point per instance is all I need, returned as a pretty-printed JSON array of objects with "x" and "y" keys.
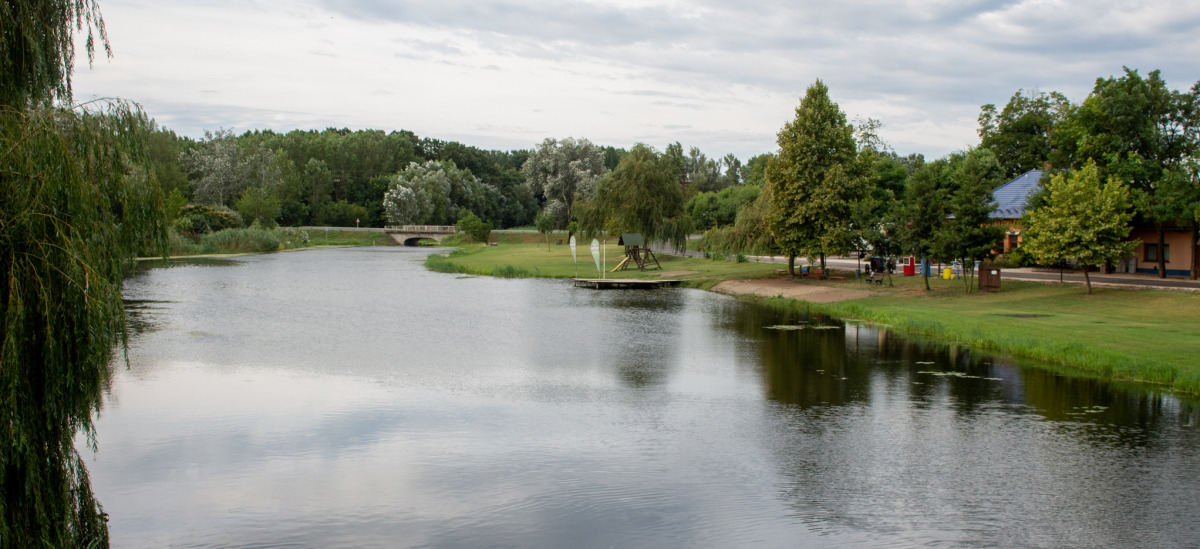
[
  {"x": 792, "y": 265},
  {"x": 1087, "y": 280},
  {"x": 925, "y": 275},
  {"x": 823, "y": 262},
  {"x": 967, "y": 278},
  {"x": 1162, "y": 256}
]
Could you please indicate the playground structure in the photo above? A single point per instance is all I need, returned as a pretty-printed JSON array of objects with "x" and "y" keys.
[{"x": 637, "y": 252}]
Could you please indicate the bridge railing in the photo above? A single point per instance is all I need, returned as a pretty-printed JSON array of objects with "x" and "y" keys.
[{"x": 423, "y": 228}]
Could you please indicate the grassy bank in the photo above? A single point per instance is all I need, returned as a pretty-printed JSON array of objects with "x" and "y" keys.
[
  {"x": 256, "y": 240},
  {"x": 528, "y": 255},
  {"x": 1141, "y": 335}
]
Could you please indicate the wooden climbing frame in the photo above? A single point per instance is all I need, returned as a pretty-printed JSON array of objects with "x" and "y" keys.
[{"x": 636, "y": 252}]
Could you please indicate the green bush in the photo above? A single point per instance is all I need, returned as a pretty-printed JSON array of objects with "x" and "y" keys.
[
  {"x": 343, "y": 214},
  {"x": 206, "y": 219},
  {"x": 259, "y": 206},
  {"x": 239, "y": 241},
  {"x": 472, "y": 225}
]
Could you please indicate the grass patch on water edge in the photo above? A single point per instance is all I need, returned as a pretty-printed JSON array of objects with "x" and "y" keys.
[
  {"x": 1136, "y": 335},
  {"x": 258, "y": 240},
  {"x": 1124, "y": 335},
  {"x": 516, "y": 256}
]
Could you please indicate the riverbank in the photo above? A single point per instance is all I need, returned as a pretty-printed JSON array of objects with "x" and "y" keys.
[
  {"x": 1124, "y": 334},
  {"x": 256, "y": 240}
]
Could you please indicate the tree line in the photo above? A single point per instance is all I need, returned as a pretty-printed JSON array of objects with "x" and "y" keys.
[{"x": 1125, "y": 155}]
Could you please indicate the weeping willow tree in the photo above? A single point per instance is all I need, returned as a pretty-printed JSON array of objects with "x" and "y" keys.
[
  {"x": 75, "y": 206},
  {"x": 642, "y": 195}
]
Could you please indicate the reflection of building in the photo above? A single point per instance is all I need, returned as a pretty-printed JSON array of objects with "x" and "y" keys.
[{"x": 1011, "y": 199}]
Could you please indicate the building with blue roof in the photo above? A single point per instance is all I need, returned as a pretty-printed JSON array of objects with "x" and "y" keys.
[{"x": 1011, "y": 199}]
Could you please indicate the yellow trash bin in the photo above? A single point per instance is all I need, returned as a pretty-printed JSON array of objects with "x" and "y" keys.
[{"x": 946, "y": 274}]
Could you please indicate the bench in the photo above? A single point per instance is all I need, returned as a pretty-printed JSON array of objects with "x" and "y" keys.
[
  {"x": 875, "y": 277},
  {"x": 817, "y": 273}
]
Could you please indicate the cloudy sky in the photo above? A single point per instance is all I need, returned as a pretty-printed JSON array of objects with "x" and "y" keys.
[{"x": 720, "y": 75}]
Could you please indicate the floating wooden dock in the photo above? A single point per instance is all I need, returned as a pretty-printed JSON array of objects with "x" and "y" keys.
[{"x": 622, "y": 283}]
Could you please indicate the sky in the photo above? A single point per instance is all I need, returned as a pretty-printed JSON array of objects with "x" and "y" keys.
[{"x": 723, "y": 76}]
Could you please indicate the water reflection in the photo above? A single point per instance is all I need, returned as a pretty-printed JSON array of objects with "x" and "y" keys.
[
  {"x": 351, "y": 398},
  {"x": 941, "y": 445}
]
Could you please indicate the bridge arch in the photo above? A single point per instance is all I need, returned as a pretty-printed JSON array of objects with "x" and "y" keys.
[{"x": 410, "y": 235}]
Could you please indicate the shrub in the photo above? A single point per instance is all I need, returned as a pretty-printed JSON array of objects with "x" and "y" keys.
[
  {"x": 206, "y": 219},
  {"x": 472, "y": 225},
  {"x": 239, "y": 241},
  {"x": 259, "y": 206},
  {"x": 342, "y": 214}
]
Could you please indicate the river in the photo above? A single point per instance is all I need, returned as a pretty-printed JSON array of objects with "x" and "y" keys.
[{"x": 350, "y": 398}]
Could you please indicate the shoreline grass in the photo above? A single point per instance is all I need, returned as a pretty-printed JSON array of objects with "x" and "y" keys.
[
  {"x": 251, "y": 240},
  {"x": 528, "y": 255},
  {"x": 1140, "y": 335}
]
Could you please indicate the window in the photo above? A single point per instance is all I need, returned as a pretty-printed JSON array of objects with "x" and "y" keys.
[{"x": 1152, "y": 252}]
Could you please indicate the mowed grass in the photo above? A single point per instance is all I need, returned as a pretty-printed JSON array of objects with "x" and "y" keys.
[
  {"x": 1143, "y": 335},
  {"x": 1140, "y": 335},
  {"x": 527, "y": 255}
]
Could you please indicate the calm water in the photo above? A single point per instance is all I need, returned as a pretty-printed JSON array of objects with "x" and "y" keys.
[{"x": 348, "y": 398}]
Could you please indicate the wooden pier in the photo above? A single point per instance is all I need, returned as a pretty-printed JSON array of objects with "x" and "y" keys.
[{"x": 622, "y": 283}]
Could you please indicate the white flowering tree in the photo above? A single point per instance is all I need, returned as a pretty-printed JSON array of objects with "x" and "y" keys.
[{"x": 564, "y": 172}]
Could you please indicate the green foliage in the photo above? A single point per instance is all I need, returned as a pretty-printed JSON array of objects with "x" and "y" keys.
[
  {"x": 175, "y": 203},
  {"x": 471, "y": 224},
  {"x": 1134, "y": 128},
  {"x": 564, "y": 171},
  {"x": 641, "y": 196},
  {"x": 257, "y": 205},
  {"x": 544, "y": 222},
  {"x": 968, "y": 235},
  {"x": 755, "y": 171},
  {"x": 76, "y": 203},
  {"x": 433, "y": 193},
  {"x": 715, "y": 209},
  {"x": 206, "y": 219},
  {"x": 747, "y": 234},
  {"x": 342, "y": 214},
  {"x": 1020, "y": 134},
  {"x": 815, "y": 179},
  {"x": 231, "y": 241},
  {"x": 1083, "y": 220},
  {"x": 38, "y": 48}
]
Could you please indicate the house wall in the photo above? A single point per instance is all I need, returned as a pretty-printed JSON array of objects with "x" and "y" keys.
[
  {"x": 1012, "y": 228},
  {"x": 1181, "y": 254}
]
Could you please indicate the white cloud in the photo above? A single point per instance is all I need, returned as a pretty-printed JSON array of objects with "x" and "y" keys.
[{"x": 723, "y": 76}]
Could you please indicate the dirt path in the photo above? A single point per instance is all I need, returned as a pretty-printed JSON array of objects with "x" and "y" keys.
[{"x": 772, "y": 287}]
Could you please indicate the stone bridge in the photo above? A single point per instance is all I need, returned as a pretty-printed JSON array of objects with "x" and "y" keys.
[{"x": 409, "y": 235}]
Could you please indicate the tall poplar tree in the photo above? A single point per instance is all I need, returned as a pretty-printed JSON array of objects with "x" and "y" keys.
[
  {"x": 968, "y": 235},
  {"x": 814, "y": 180},
  {"x": 76, "y": 203}
]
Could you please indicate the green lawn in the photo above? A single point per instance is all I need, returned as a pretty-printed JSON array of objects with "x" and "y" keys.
[
  {"x": 529, "y": 256},
  {"x": 1142, "y": 335},
  {"x": 1145, "y": 335}
]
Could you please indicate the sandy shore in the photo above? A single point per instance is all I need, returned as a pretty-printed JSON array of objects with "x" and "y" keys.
[{"x": 773, "y": 287}]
